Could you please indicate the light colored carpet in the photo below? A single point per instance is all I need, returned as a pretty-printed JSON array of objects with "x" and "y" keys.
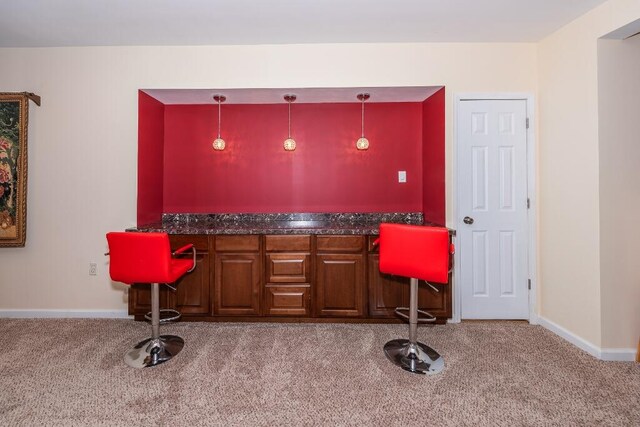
[{"x": 71, "y": 372}]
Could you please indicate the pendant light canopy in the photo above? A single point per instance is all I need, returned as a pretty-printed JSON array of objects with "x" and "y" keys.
[
  {"x": 218, "y": 143},
  {"x": 363, "y": 143},
  {"x": 289, "y": 143}
]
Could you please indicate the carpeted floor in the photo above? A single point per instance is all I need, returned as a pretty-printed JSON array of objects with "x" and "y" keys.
[{"x": 70, "y": 372}]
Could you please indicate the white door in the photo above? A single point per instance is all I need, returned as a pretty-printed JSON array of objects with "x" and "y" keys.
[{"x": 492, "y": 209}]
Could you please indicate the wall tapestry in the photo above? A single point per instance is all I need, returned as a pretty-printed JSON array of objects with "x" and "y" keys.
[{"x": 14, "y": 115}]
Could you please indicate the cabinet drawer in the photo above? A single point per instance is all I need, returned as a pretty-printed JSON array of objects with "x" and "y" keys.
[
  {"x": 238, "y": 243},
  {"x": 340, "y": 243},
  {"x": 287, "y": 300},
  {"x": 288, "y": 243},
  {"x": 200, "y": 241},
  {"x": 288, "y": 268}
]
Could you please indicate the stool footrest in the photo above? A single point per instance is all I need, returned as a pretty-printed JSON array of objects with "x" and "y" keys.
[
  {"x": 430, "y": 317},
  {"x": 170, "y": 315}
]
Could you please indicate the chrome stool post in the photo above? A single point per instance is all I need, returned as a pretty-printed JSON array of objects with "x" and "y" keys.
[
  {"x": 159, "y": 348},
  {"x": 411, "y": 355}
]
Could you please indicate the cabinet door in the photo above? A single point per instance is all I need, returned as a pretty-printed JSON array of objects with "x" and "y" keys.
[
  {"x": 386, "y": 292},
  {"x": 438, "y": 303},
  {"x": 340, "y": 285},
  {"x": 237, "y": 284},
  {"x": 287, "y": 300},
  {"x": 191, "y": 296},
  {"x": 140, "y": 298}
]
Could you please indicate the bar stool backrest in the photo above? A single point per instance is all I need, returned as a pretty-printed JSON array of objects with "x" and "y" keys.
[
  {"x": 139, "y": 257},
  {"x": 415, "y": 251}
]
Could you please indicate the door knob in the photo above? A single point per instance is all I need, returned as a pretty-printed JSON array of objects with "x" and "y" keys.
[{"x": 468, "y": 220}]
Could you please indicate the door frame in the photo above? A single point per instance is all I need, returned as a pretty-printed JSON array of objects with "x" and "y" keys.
[{"x": 532, "y": 214}]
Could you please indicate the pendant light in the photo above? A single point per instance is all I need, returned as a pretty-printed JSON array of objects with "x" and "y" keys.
[
  {"x": 363, "y": 143},
  {"x": 218, "y": 143},
  {"x": 289, "y": 143}
]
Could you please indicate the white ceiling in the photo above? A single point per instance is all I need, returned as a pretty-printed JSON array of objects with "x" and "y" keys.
[
  {"x": 304, "y": 95},
  {"x": 27, "y": 23}
]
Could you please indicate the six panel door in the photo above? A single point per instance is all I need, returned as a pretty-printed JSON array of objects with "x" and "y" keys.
[{"x": 492, "y": 171}]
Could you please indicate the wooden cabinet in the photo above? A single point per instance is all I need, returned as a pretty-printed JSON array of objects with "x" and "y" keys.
[
  {"x": 236, "y": 276},
  {"x": 287, "y": 276},
  {"x": 386, "y": 292},
  {"x": 340, "y": 277}
]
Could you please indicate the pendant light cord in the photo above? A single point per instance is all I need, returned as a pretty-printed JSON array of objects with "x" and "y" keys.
[
  {"x": 289, "y": 119},
  {"x": 218, "y": 118},
  {"x": 362, "y": 117}
]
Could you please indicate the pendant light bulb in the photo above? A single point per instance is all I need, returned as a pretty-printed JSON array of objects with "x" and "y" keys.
[
  {"x": 362, "y": 143},
  {"x": 289, "y": 143},
  {"x": 218, "y": 143}
]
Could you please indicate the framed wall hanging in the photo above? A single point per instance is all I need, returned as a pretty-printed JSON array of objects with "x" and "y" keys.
[{"x": 14, "y": 118}]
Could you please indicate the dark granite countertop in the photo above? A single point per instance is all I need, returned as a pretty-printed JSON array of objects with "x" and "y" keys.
[{"x": 290, "y": 223}]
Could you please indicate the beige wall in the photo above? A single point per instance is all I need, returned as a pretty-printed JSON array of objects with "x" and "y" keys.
[
  {"x": 619, "y": 134},
  {"x": 83, "y": 140},
  {"x": 569, "y": 185}
]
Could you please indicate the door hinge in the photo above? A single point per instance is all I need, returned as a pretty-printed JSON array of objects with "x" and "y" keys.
[
  {"x": 528, "y": 203},
  {"x": 527, "y": 122},
  {"x": 529, "y": 284}
]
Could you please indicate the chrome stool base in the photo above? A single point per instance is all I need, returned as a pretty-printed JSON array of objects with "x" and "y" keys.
[
  {"x": 152, "y": 352},
  {"x": 417, "y": 358}
]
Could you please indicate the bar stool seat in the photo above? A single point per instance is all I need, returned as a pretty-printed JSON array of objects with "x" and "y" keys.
[
  {"x": 147, "y": 258},
  {"x": 421, "y": 253}
]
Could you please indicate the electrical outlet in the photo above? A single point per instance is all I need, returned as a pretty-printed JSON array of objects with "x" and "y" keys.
[
  {"x": 93, "y": 269},
  {"x": 402, "y": 176}
]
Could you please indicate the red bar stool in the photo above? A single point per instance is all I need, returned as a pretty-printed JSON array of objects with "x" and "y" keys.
[
  {"x": 420, "y": 253},
  {"x": 147, "y": 258}
]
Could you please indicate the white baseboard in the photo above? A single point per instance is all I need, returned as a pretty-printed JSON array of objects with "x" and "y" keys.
[
  {"x": 62, "y": 314},
  {"x": 608, "y": 354},
  {"x": 618, "y": 354}
]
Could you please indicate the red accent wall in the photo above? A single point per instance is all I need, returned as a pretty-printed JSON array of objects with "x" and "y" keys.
[
  {"x": 325, "y": 174},
  {"x": 150, "y": 158},
  {"x": 433, "y": 158}
]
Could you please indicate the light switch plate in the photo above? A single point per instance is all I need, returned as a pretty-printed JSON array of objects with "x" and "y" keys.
[{"x": 402, "y": 176}]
